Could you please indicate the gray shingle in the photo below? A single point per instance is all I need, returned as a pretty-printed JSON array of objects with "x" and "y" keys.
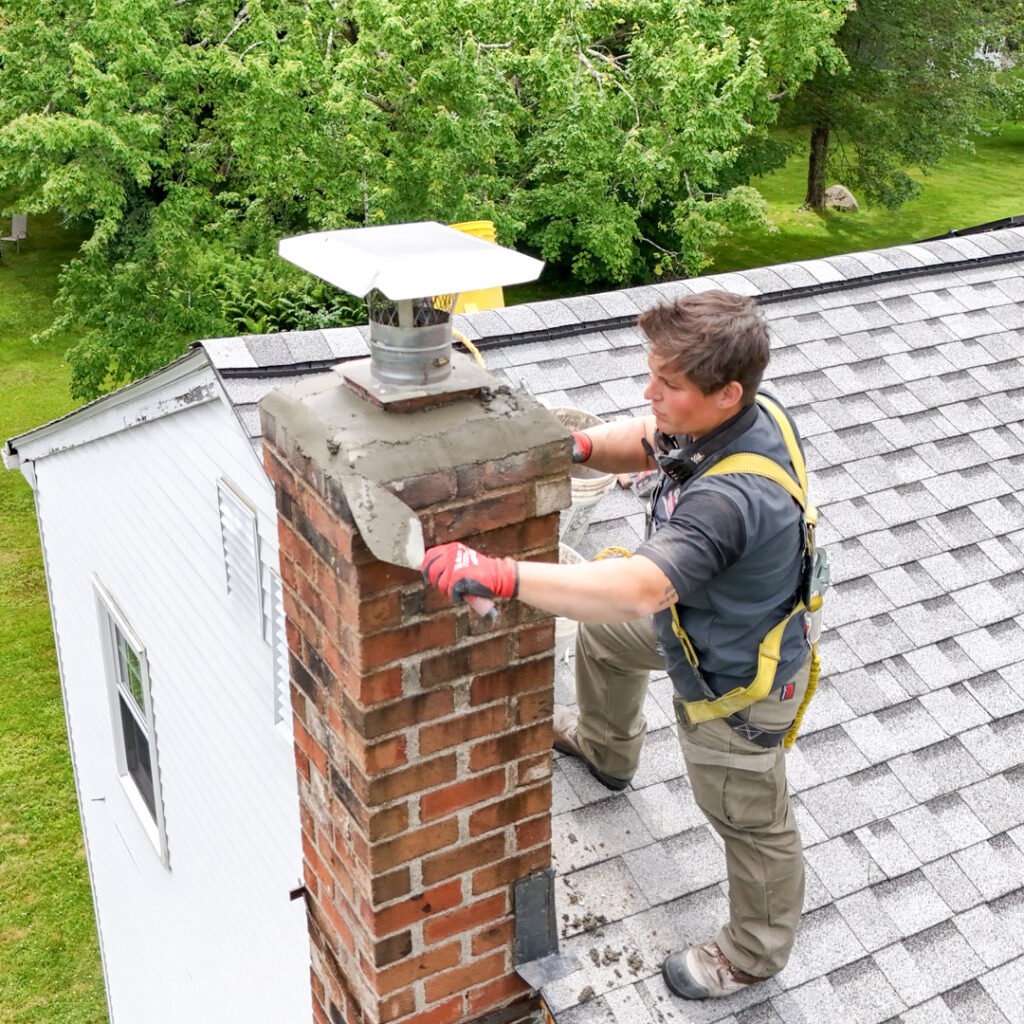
[
  {"x": 993, "y": 600},
  {"x": 935, "y": 1011},
  {"x": 844, "y": 865},
  {"x": 677, "y": 866},
  {"x": 611, "y": 365},
  {"x": 996, "y": 866},
  {"x": 942, "y": 302},
  {"x": 973, "y": 324},
  {"x": 865, "y": 993},
  {"x": 896, "y": 400},
  {"x": 930, "y": 621},
  {"x": 953, "y": 886},
  {"x": 866, "y": 375},
  {"x": 996, "y": 746},
  {"x": 994, "y": 646},
  {"x": 893, "y": 731},
  {"x": 971, "y": 1004},
  {"x": 940, "y": 768},
  {"x": 939, "y": 828},
  {"x": 662, "y": 760},
  {"x": 924, "y": 334},
  {"x": 1001, "y": 442},
  {"x": 987, "y": 935},
  {"x": 892, "y": 470},
  {"x": 667, "y": 808},
  {"x": 965, "y": 354},
  {"x": 942, "y": 664},
  {"x": 596, "y": 833},
  {"x": 948, "y": 453},
  {"x": 850, "y": 802},
  {"x": 831, "y": 753},
  {"x": 876, "y": 638},
  {"x": 1010, "y": 316},
  {"x": 1006, "y": 987},
  {"x": 823, "y": 943},
  {"x": 954, "y": 570},
  {"x": 958, "y": 386},
  {"x": 998, "y": 802},
  {"x": 907, "y": 584},
  {"x": 849, "y": 559},
  {"x": 954, "y": 708},
  {"x": 606, "y": 889},
  {"x": 968, "y": 486},
  {"x": 866, "y": 916},
  {"x": 888, "y": 848}
]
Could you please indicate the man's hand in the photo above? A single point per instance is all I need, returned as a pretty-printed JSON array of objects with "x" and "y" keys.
[
  {"x": 459, "y": 572},
  {"x": 582, "y": 446}
]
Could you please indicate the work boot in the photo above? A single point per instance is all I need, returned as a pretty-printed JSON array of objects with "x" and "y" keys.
[
  {"x": 565, "y": 740},
  {"x": 703, "y": 972}
]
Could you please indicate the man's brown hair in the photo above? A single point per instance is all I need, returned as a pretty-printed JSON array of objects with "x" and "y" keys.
[{"x": 713, "y": 337}]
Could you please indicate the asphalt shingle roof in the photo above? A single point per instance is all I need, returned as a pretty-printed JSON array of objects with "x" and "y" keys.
[{"x": 905, "y": 371}]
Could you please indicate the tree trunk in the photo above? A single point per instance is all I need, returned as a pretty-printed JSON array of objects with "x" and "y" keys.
[{"x": 816, "y": 167}]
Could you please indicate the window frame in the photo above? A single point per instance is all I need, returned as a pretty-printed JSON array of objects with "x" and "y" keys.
[{"x": 112, "y": 624}]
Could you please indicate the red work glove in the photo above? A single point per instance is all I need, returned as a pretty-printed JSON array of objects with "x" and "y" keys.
[
  {"x": 459, "y": 571},
  {"x": 582, "y": 446}
]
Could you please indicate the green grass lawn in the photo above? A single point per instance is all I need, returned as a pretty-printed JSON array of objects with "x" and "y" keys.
[
  {"x": 964, "y": 190},
  {"x": 49, "y": 958}
]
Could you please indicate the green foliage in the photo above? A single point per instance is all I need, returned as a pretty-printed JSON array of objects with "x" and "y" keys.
[
  {"x": 913, "y": 87},
  {"x": 613, "y": 138}
]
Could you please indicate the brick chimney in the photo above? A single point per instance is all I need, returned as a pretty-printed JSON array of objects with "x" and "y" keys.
[{"x": 422, "y": 734}]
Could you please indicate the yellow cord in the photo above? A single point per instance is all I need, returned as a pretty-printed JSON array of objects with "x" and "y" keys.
[
  {"x": 812, "y": 685},
  {"x": 471, "y": 348},
  {"x": 610, "y": 552}
]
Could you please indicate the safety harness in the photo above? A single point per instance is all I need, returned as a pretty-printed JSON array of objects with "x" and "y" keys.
[{"x": 813, "y": 584}]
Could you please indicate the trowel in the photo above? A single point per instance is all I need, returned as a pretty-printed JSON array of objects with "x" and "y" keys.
[{"x": 393, "y": 532}]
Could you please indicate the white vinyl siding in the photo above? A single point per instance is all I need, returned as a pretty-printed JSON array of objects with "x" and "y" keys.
[
  {"x": 139, "y": 509},
  {"x": 240, "y": 542}
]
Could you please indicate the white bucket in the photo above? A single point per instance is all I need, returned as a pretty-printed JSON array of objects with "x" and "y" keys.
[
  {"x": 587, "y": 485},
  {"x": 565, "y": 629}
]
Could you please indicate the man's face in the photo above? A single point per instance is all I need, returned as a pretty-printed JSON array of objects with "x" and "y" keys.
[{"x": 679, "y": 406}]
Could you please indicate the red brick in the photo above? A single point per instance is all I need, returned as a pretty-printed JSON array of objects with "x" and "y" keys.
[
  {"x": 397, "y": 1005},
  {"x": 501, "y": 934},
  {"x": 511, "y": 870},
  {"x": 394, "y": 645},
  {"x": 444, "y": 1013},
  {"x": 517, "y": 807},
  {"x": 420, "y": 776},
  {"x": 510, "y": 747},
  {"x": 428, "y": 489},
  {"x": 495, "y": 994},
  {"x": 536, "y": 537},
  {"x": 394, "y": 947},
  {"x": 464, "y": 919},
  {"x": 466, "y": 726},
  {"x": 400, "y": 714},
  {"x": 534, "y": 832},
  {"x": 463, "y": 794},
  {"x": 533, "y": 769},
  {"x": 535, "y": 640},
  {"x": 391, "y": 886},
  {"x": 523, "y": 677},
  {"x": 416, "y": 908},
  {"x": 475, "y": 973},
  {"x": 415, "y": 968},
  {"x": 376, "y": 687},
  {"x": 379, "y": 757},
  {"x": 480, "y": 516},
  {"x": 411, "y": 845},
  {"x": 464, "y": 660},
  {"x": 532, "y": 707},
  {"x": 464, "y": 858},
  {"x": 387, "y": 823}
]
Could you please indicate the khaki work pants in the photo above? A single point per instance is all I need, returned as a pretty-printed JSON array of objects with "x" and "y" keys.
[{"x": 740, "y": 786}]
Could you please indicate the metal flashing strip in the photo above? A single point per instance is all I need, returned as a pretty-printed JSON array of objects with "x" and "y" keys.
[{"x": 629, "y": 322}]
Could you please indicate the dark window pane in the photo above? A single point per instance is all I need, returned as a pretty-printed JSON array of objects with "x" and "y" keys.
[{"x": 136, "y": 751}]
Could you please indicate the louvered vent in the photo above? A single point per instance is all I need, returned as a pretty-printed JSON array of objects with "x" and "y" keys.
[
  {"x": 241, "y": 551},
  {"x": 277, "y": 638}
]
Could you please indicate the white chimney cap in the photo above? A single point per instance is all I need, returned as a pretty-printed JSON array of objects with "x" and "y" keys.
[{"x": 407, "y": 261}]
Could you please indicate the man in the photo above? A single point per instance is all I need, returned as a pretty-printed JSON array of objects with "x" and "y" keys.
[{"x": 720, "y": 571}]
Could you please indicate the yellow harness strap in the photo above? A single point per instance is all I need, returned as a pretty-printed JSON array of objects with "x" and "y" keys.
[{"x": 770, "y": 648}]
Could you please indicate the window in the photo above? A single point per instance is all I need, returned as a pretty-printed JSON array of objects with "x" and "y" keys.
[
  {"x": 241, "y": 549},
  {"x": 132, "y": 717}
]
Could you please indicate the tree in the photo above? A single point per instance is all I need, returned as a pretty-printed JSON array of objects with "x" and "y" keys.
[
  {"x": 913, "y": 86},
  {"x": 612, "y": 137}
]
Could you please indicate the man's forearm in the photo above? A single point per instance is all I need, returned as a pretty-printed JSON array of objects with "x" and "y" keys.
[
  {"x": 615, "y": 590},
  {"x": 618, "y": 446}
]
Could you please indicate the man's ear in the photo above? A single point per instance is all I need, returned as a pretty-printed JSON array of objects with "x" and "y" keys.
[{"x": 731, "y": 396}]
